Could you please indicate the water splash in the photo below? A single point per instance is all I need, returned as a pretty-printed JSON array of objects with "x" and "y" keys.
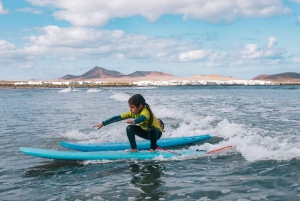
[
  {"x": 121, "y": 97},
  {"x": 69, "y": 89},
  {"x": 93, "y": 90}
]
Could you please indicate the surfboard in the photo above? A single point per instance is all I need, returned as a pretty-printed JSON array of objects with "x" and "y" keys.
[
  {"x": 142, "y": 145},
  {"x": 106, "y": 155}
]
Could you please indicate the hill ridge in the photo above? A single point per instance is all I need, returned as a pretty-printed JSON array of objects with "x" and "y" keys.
[
  {"x": 99, "y": 72},
  {"x": 279, "y": 77}
]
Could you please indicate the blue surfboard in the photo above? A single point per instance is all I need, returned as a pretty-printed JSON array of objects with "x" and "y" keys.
[
  {"x": 106, "y": 155},
  {"x": 141, "y": 145}
]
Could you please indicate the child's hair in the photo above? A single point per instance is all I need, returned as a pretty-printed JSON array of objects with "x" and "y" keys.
[{"x": 138, "y": 99}]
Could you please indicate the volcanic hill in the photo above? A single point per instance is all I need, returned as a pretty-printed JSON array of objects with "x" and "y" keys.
[
  {"x": 96, "y": 72},
  {"x": 99, "y": 72},
  {"x": 281, "y": 77}
]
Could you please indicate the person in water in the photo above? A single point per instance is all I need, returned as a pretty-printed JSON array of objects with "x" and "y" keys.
[{"x": 149, "y": 128}]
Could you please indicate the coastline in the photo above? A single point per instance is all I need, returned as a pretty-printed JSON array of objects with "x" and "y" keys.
[
  {"x": 119, "y": 85},
  {"x": 133, "y": 82}
]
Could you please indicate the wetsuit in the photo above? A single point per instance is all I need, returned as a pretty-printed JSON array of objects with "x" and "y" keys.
[{"x": 152, "y": 133}]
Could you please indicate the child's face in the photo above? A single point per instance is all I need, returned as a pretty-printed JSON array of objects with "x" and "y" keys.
[{"x": 134, "y": 109}]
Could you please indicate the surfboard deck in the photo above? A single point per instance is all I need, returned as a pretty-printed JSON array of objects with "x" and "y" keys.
[
  {"x": 105, "y": 155},
  {"x": 142, "y": 145}
]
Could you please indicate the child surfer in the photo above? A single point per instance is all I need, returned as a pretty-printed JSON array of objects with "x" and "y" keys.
[{"x": 149, "y": 127}]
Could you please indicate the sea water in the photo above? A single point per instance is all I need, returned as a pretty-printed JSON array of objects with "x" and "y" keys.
[{"x": 260, "y": 122}]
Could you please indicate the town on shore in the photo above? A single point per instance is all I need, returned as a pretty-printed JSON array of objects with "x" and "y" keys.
[{"x": 61, "y": 84}]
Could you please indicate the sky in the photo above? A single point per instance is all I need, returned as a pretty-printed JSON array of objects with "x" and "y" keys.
[{"x": 47, "y": 39}]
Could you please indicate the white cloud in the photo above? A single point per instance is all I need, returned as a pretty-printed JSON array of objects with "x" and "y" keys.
[
  {"x": 252, "y": 51},
  {"x": 194, "y": 55},
  {"x": 213, "y": 63},
  {"x": 79, "y": 43},
  {"x": 296, "y": 59},
  {"x": 274, "y": 61},
  {"x": 30, "y": 10},
  {"x": 9, "y": 53},
  {"x": 6, "y": 46},
  {"x": 2, "y": 10},
  {"x": 26, "y": 66},
  {"x": 68, "y": 59},
  {"x": 272, "y": 42},
  {"x": 99, "y": 12}
]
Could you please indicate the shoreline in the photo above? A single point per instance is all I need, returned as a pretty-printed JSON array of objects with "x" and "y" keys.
[
  {"x": 118, "y": 85},
  {"x": 212, "y": 80},
  {"x": 147, "y": 81}
]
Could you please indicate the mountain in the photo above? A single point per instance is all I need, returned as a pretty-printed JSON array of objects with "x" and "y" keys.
[
  {"x": 149, "y": 73},
  {"x": 281, "y": 77},
  {"x": 98, "y": 72}
]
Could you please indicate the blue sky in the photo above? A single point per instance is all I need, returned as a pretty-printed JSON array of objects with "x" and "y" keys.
[{"x": 47, "y": 39}]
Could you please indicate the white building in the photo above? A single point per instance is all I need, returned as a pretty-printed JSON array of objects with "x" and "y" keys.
[
  {"x": 19, "y": 83},
  {"x": 202, "y": 82},
  {"x": 100, "y": 82}
]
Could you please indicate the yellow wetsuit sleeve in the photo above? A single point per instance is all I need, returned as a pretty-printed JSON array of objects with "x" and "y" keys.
[{"x": 127, "y": 115}]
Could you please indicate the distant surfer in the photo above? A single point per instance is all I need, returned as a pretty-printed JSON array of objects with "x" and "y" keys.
[{"x": 149, "y": 127}]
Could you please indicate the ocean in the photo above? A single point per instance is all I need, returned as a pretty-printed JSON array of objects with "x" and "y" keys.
[{"x": 260, "y": 122}]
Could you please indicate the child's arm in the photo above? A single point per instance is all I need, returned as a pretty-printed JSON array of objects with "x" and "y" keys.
[
  {"x": 140, "y": 119},
  {"x": 137, "y": 120},
  {"x": 108, "y": 121}
]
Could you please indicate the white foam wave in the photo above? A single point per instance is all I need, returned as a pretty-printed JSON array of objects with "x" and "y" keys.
[
  {"x": 76, "y": 90},
  {"x": 98, "y": 161},
  {"x": 93, "y": 90},
  {"x": 69, "y": 89},
  {"x": 158, "y": 158},
  {"x": 110, "y": 133},
  {"x": 252, "y": 144},
  {"x": 121, "y": 97},
  {"x": 257, "y": 148},
  {"x": 167, "y": 112},
  {"x": 75, "y": 135}
]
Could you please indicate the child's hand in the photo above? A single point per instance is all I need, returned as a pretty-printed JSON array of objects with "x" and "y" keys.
[
  {"x": 98, "y": 125},
  {"x": 130, "y": 121}
]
